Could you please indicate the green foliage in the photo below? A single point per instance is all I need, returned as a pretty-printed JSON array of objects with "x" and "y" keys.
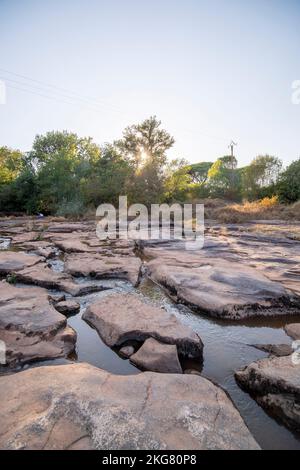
[
  {"x": 144, "y": 146},
  {"x": 11, "y": 163},
  {"x": 178, "y": 181},
  {"x": 224, "y": 179},
  {"x": 260, "y": 177},
  {"x": 64, "y": 174},
  {"x": 199, "y": 172},
  {"x": 289, "y": 183},
  {"x": 108, "y": 179}
]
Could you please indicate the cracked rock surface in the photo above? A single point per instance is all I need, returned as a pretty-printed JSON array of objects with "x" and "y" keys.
[{"x": 80, "y": 406}]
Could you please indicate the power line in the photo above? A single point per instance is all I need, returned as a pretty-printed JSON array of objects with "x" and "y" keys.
[
  {"x": 69, "y": 92},
  {"x": 65, "y": 93}
]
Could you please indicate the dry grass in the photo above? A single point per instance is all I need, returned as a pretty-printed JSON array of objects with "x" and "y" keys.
[{"x": 265, "y": 209}]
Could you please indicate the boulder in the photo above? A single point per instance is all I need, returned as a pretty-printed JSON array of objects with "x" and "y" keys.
[
  {"x": 98, "y": 266},
  {"x": 15, "y": 261},
  {"x": 275, "y": 384},
  {"x": 293, "y": 330},
  {"x": 68, "y": 307},
  {"x": 79, "y": 406},
  {"x": 119, "y": 318},
  {"x": 220, "y": 287},
  {"x": 126, "y": 351},
  {"x": 157, "y": 357},
  {"x": 30, "y": 326},
  {"x": 41, "y": 275}
]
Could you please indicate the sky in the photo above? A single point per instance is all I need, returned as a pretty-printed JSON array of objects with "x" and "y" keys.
[{"x": 211, "y": 70}]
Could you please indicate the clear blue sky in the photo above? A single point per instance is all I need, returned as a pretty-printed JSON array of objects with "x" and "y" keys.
[{"x": 211, "y": 70}]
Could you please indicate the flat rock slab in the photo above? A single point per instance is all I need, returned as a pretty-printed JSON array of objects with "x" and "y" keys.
[
  {"x": 275, "y": 384},
  {"x": 157, "y": 357},
  {"x": 79, "y": 406},
  {"x": 41, "y": 275},
  {"x": 220, "y": 287},
  {"x": 293, "y": 330},
  {"x": 275, "y": 349},
  {"x": 31, "y": 327},
  {"x": 72, "y": 246},
  {"x": 95, "y": 265},
  {"x": 124, "y": 317},
  {"x": 67, "y": 228},
  {"x": 15, "y": 261}
]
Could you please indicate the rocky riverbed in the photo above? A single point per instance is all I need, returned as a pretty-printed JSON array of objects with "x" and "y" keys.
[{"x": 74, "y": 309}]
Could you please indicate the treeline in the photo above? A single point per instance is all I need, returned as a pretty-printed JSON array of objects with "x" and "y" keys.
[{"x": 64, "y": 174}]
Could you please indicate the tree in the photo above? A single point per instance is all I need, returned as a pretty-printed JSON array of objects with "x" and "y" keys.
[
  {"x": 55, "y": 143},
  {"x": 224, "y": 178},
  {"x": 63, "y": 161},
  {"x": 145, "y": 145},
  {"x": 289, "y": 183},
  {"x": 178, "y": 181},
  {"x": 145, "y": 141},
  {"x": 260, "y": 177},
  {"x": 11, "y": 163},
  {"x": 199, "y": 172},
  {"x": 110, "y": 177}
]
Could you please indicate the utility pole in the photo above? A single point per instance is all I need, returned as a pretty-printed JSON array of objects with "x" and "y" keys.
[{"x": 231, "y": 146}]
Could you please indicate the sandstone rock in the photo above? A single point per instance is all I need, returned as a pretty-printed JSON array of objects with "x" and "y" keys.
[
  {"x": 275, "y": 349},
  {"x": 14, "y": 261},
  {"x": 275, "y": 384},
  {"x": 124, "y": 317},
  {"x": 30, "y": 327},
  {"x": 126, "y": 351},
  {"x": 41, "y": 248},
  {"x": 41, "y": 275},
  {"x": 157, "y": 357},
  {"x": 72, "y": 246},
  {"x": 67, "y": 227},
  {"x": 192, "y": 372},
  {"x": 81, "y": 406},
  {"x": 95, "y": 265},
  {"x": 293, "y": 330},
  {"x": 68, "y": 307},
  {"x": 220, "y": 287},
  {"x": 25, "y": 237}
]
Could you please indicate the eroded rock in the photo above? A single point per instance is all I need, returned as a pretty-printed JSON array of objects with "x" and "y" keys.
[
  {"x": 68, "y": 307},
  {"x": 275, "y": 384},
  {"x": 81, "y": 406},
  {"x": 124, "y": 317},
  {"x": 293, "y": 330},
  {"x": 220, "y": 287},
  {"x": 31, "y": 327},
  {"x": 11, "y": 261},
  {"x": 157, "y": 357},
  {"x": 98, "y": 266},
  {"x": 275, "y": 349},
  {"x": 41, "y": 275}
]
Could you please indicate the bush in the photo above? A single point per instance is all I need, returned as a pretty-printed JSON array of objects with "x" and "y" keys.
[
  {"x": 74, "y": 208},
  {"x": 289, "y": 183}
]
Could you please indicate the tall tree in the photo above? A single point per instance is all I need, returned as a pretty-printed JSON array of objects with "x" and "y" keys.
[{"x": 145, "y": 145}]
